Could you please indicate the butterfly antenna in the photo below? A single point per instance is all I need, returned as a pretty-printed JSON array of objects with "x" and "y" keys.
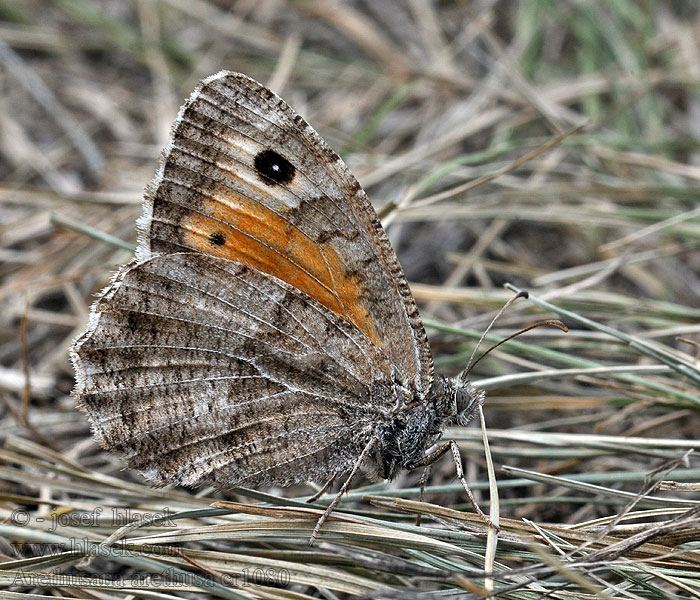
[
  {"x": 522, "y": 294},
  {"x": 471, "y": 363},
  {"x": 553, "y": 322}
]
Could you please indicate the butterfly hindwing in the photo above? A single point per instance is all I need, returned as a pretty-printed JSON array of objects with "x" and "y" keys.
[{"x": 198, "y": 369}]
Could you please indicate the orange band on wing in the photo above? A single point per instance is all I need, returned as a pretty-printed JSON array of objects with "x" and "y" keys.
[{"x": 247, "y": 232}]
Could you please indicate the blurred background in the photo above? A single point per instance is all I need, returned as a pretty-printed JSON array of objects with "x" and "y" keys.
[{"x": 425, "y": 100}]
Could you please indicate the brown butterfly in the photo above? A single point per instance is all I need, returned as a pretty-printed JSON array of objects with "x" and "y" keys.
[{"x": 265, "y": 332}]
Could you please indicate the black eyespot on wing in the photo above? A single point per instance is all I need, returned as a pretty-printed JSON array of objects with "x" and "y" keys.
[
  {"x": 273, "y": 168},
  {"x": 217, "y": 239}
]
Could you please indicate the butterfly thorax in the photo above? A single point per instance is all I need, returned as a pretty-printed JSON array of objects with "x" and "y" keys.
[
  {"x": 415, "y": 429},
  {"x": 404, "y": 441}
]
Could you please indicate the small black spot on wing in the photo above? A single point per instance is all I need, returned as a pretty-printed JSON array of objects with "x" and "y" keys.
[
  {"x": 217, "y": 238},
  {"x": 273, "y": 168}
]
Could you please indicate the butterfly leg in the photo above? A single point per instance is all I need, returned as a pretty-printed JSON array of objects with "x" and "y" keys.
[
  {"x": 322, "y": 491},
  {"x": 427, "y": 461},
  {"x": 460, "y": 475},
  {"x": 343, "y": 489},
  {"x": 421, "y": 494},
  {"x": 430, "y": 458}
]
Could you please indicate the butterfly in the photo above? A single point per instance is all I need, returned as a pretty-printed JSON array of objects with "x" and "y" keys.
[{"x": 265, "y": 332}]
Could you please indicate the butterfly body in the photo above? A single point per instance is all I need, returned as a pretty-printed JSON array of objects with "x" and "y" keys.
[
  {"x": 265, "y": 332},
  {"x": 404, "y": 442}
]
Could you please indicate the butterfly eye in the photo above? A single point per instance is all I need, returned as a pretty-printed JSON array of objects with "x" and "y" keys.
[{"x": 273, "y": 168}]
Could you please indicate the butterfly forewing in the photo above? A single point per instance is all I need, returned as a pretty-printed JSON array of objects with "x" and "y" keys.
[{"x": 247, "y": 179}]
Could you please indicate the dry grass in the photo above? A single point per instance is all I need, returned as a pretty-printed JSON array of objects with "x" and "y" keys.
[{"x": 422, "y": 99}]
